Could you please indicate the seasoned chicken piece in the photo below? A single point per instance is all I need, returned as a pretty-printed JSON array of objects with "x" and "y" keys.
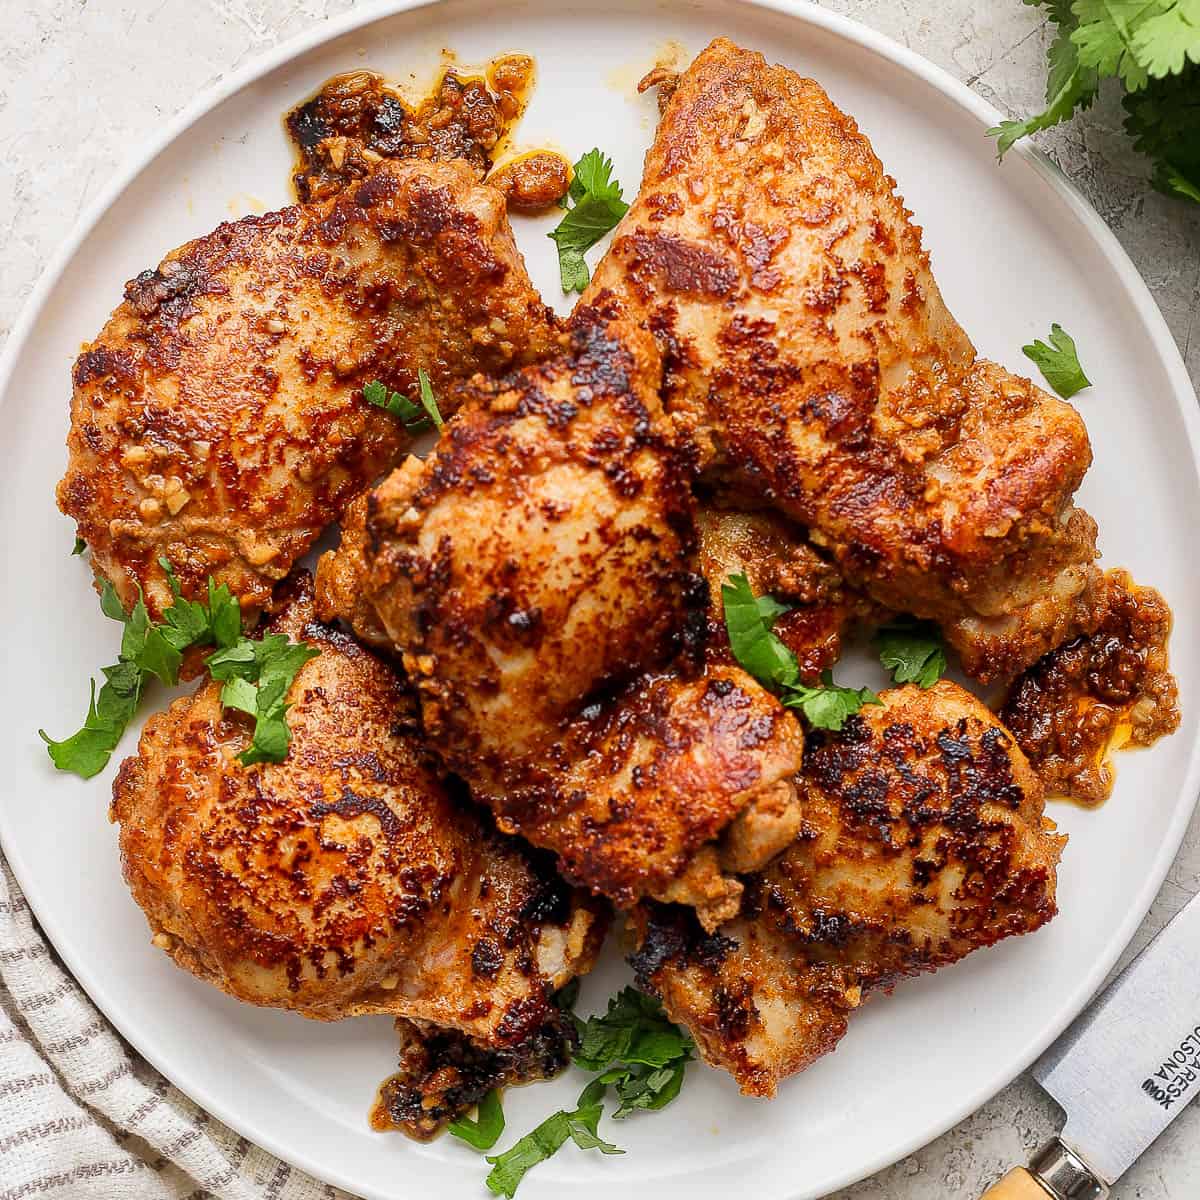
[
  {"x": 345, "y": 879},
  {"x": 540, "y": 552},
  {"x": 1098, "y": 693},
  {"x": 923, "y": 839},
  {"x": 341, "y": 579},
  {"x": 218, "y": 418},
  {"x": 534, "y": 563},
  {"x": 811, "y": 357},
  {"x": 777, "y": 560}
]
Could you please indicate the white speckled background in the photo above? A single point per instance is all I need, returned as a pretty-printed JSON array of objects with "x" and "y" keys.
[{"x": 83, "y": 82}]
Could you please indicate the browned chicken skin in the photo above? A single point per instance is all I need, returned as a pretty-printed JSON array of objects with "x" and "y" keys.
[
  {"x": 810, "y": 355},
  {"x": 345, "y": 879},
  {"x": 536, "y": 561},
  {"x": 923, "y": 839},
  {"x": 218, "y": 418}
]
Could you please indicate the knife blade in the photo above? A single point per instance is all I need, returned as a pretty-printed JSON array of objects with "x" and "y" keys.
[{"x": 1126, "y": 1068}]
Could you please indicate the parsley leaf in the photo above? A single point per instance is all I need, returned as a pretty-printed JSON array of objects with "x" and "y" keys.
[
  {"x": 150, "y": 648},
  {"x": 485, "y": 1130},
  {"x": 748, "y": 621},
  {"x": 1168, "y": 37},
  {"x": 598, "y": 207},
  {"x": 912, "y": 651},
  {"x": 415, "y": 417},
  {"x": 1164, "y": 121},
  {"x": 257, "y": 675},
  {"x": 80, "y": 546},
  {"x": 828, "y": 706},
  {"x": 750, "y": 638},
  {"x": 633, "y": 1030},
  {"x": 580, "y": 1126},
  {"x": 1058, "y": 362}
]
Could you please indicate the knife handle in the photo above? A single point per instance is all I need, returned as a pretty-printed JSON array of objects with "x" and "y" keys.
[
  {"x": 1057, "y": 1174},
  {"x": 1018, "y": 1184}
]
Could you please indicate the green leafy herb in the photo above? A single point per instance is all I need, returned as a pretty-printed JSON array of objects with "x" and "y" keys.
[
  {"x": 636, "y": 1050},
  {"x": 80, "y": 546},
  {"x": 415, "y": 417},
  {"x": 912, "y": 651},
  {"x": 257, "y": 675},
  {"x": 1058, "y": 362},
  {"x": 597, "y": 208},
  {"x": 748, "y": 620},
  {"x": 828, "y": 706},
  {"x": 579, "y": 1125},
  {"x": 150, "y": 648},
  {"x": 485, "y": 1130},
  {"x": 1153, "y": 48},
  {"x": 633, "y": 1030}
]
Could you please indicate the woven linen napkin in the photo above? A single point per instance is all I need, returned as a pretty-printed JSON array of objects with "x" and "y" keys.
[{"x": 81, "y": 1115}]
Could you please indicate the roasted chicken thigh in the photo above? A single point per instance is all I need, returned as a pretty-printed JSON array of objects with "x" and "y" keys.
[
  {"x": 813, "y": 361},
  {"x": 218, "y": 418},
  {"x": 345, "y": 879},
  {"x": 922, "y": 839}
]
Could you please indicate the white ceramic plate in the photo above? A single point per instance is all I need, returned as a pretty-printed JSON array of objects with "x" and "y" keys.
[{"x": 1014, "y": 248}]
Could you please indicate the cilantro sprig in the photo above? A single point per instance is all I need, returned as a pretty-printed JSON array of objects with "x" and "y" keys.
[
  {"x": 1058, "y": 362},
  {"x": 415, "y": 417},
  {"x": 597, "y": 208},
  {"x": 1153, "y": 48},
  {"x": 748, "y": 621},
  {"x": 258, "y": 673},
  {"x": 912, "y": 651},
  {"x": 633, "y": 1048}
]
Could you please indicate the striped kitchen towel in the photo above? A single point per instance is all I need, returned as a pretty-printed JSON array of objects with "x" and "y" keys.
[{"x": 82, "y": 1116}]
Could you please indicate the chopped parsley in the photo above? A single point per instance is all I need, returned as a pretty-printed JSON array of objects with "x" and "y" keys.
[
  {"x": 485, "y": 1130},
  {"x": 633, "y": 1048},
  {"x": 80, "y": 546},
  {"x": 258, "y": 674},
  {"x": 597, "y": 208},
  {"x": 415, "y": 417},
  {"x": 1058, "y": 362},
  {"x": 912, "y": 651},
  {"x": 748, "y": 620}
]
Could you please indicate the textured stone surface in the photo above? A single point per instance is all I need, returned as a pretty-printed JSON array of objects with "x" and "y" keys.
[{"x": 83, "y": 82}]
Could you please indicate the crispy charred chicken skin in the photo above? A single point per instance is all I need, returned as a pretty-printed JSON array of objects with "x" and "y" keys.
[
  {"x": 923, "y": 839},
  {"x": 218, "y": 418},
  {"x": 345, "y": 879},
  {"x": 531, "y": 571},
  {"x": 811, "y": 357}
]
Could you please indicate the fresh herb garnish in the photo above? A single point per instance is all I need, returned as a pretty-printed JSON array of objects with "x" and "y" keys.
[
  {"x": 579, "y": 1125},
  {"x": 598, "y": 207},
  {"x": 1153, "y": 48},
  {"x": 634, "y": 1048},
  {"x": 257, "y": 675},
  {"x": 1058, "y": 362},
  {"x": 415, "y": 417},
  {"x": 912, "y": 651},
  {"x": 748, "y": 620},
  {"x": 485, "y": 1130},
  {"x": 257, "y": 684},
  {"x": 80, "y": 546}
]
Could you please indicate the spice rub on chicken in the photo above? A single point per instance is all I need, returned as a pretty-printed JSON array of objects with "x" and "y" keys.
[
  {"x": 531, "y": 572},
  {"x": 345, "y": 879},
  {"x": 810, "y": 353},
  {"x": 1098, "y": 693},
  {"x": 922, "y": 839},
  {"x": 218, "y": 418}
]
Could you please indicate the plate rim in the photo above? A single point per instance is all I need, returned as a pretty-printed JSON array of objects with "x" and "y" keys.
[{"x": 844, "y": 27}]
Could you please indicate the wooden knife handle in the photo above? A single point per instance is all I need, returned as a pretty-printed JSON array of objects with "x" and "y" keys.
[{"x": 1018, "y": 1184}]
